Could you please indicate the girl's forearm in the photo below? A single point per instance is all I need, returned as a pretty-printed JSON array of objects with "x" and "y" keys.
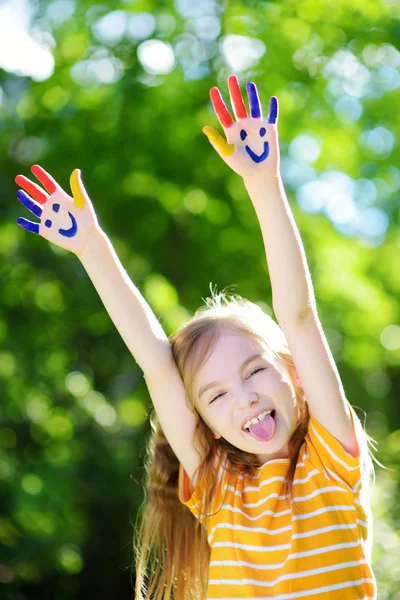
[
  {"x": 292, "y": 289},
  {"x": 134, "y": 319}
]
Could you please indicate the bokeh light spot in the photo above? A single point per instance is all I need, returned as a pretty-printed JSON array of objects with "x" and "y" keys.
[
  {"x": 77, "y": 383},
  {"x": 8, "y": 365},
  {"x": 132, "y": 412},
  {"x": 390, "y": 337},
  {"x": 32, "y": 484},
  {"x": 70, "y": 558},
  {"x": 242, "y": 52},
  {"x": 156, "y": 57}
]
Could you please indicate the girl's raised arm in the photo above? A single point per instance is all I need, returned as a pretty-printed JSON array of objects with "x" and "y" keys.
[
  {"x": 70, "y": 222},
  {"x": 251, "y": 149}
]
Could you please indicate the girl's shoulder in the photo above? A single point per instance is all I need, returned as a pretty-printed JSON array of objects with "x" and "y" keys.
[{"x": 330, "y": 457}]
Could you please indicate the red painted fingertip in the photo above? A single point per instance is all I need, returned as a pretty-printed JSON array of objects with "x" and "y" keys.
[
  {"x": 34, "y": 190},
  {"x": 237, "y": 100},
  {"x": 45, "y": 179},
  {"x": 36, "y": 169},
  {"x": 220, "y": 108}
]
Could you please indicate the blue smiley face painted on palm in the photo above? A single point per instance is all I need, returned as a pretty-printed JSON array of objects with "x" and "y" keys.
[
  {"x": 72, "y": 231},
  {"x": 37, "y": 210},
  {"x": 257, "y": 158}
]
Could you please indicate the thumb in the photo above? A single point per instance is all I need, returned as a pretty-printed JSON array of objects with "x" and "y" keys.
[
  {"x": 78, "y": 190},
  {"x": 221, "y": 146}
]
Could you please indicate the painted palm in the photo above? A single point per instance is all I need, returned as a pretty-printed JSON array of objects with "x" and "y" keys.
[
  {"x": 251, "y": 148},
  {"x": 64, "y": 220}
]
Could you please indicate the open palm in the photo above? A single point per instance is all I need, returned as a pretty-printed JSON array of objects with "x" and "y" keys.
[
  {"x": 251, "y": 148},
  {"x": 64, "y": 220}
]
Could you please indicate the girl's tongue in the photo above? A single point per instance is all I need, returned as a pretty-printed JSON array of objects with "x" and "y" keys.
[{"x": 263, "y": 430}]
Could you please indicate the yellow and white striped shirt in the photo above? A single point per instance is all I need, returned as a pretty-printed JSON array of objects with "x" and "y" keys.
[{"x": 260, "y": 548}]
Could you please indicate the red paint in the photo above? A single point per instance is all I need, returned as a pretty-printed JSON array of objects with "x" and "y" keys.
[
  {"x": 32, "y": 189},
  {"x": 237, "y": 100},
  {"x": 45, "y": 179},
  {"x": 220, "y": 108}
]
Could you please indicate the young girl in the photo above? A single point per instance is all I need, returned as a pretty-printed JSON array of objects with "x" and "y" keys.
[{"x": 258, "y": 469}]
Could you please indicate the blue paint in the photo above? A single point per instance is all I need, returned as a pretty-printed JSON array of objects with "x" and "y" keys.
[
  {"x": 72, "y": 231},
  {"x": 37, "y": 211},
  {"x": 263, "y": 131},
  {"x": 243, "y": 134},
  {"x": 28, "y": 225},
  {"x": 258, "y": 158},
  {"x": 255, "y": 108},
  {"x": 273, "y": 110},
  {"x": 30, "y": 204}
]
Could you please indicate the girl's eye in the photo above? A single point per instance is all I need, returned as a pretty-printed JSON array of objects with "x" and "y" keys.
[
  {"x": 253, "y": 373},
  {"x": 219, "y": 396},
  {"x": 257, "y": 370}
]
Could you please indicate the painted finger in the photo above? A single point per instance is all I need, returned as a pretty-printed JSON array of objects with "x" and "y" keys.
[
  {"x": 32, "y": 188},
  {"x": 254, "y": 101},
  {"x": 218, "y": 142},
  {"x": 45, "y": 179},
  {"x": 239, "y": 107},
  {"x": 220, "y": 108},
  {"x": 273, "y": 110},
  {"x": 78, "y": 190},
  {"x": 29, "y": 203},
  {"x": 28, "y": 225}
]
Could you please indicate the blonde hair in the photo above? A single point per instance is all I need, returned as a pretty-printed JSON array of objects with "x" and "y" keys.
[{"x": 169, "y": 536}]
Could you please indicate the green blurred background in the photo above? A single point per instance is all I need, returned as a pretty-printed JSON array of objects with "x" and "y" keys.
[{"x": 121, "y": 90}]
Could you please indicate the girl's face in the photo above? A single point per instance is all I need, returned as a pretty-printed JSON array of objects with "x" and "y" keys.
[{"x": 246, "y": 387}]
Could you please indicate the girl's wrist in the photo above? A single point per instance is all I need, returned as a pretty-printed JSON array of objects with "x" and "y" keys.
[
  {"x": 95, "y": 241},
  {"x": 261, "y": 183}
]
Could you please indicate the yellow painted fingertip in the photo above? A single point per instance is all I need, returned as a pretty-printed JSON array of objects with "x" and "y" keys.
[
  {"x": 214, "y": 137},
  {"x": 77, "y": 188}
]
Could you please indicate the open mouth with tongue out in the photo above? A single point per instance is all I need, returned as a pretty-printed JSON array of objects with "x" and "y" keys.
[{"x": 263, "y": 430}]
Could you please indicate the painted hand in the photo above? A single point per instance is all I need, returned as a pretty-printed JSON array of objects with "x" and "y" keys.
[
  {"x": 65, "y": 221},
  {"x": 252, "y": 146}
]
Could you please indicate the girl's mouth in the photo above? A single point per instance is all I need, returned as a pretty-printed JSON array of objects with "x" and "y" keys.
[{"x": 265, "y": 429}]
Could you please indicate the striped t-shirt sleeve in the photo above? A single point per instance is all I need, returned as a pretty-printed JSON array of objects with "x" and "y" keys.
[
  {"x": 327, "y": 454},
  {"x": 193, "y": 498}
]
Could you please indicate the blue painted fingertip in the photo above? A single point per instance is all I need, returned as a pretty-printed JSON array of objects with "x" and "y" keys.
[
  {"x": 48, "y": 223},
  {"x": 56, "y": 207},
  {"x": 243, "y": 134},
  {"x": 29, "y": 203},
  {"x": 28, "y": 225},
  {"x": 263, "y": 131},
  {"x": 273, "y": 110},
  {"x": 254, "y": 101}
]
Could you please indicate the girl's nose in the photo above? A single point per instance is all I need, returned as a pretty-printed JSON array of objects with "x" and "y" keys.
[{"x": 246, "y": 397}]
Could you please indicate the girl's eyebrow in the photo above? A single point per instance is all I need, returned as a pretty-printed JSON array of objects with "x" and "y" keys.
[{"x": 216, "y": 383}]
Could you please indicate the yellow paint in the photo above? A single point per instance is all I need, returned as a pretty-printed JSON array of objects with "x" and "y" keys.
[
  {"x": 214, "y": 137},
  {"x": 76, "y": 187}
]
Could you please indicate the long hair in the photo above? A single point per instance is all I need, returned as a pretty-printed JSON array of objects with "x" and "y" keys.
[{"x": 172, "y": 553}]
